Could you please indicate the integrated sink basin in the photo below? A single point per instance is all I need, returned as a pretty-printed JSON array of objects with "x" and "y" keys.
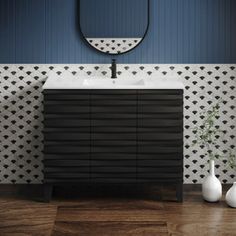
[
  {"x": 122, "y": 82},
  {"x": 99, "y": 82}
]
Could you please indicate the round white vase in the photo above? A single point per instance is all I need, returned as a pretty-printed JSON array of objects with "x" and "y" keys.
[
  {"x": 231, "y": 196},
  {"x": 211, "y": 187}
]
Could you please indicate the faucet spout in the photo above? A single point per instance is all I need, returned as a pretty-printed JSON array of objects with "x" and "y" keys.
[{"x": 113, "y": 69}]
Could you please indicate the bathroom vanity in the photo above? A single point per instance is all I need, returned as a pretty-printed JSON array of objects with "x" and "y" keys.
[{"x": 123, "y": 131}]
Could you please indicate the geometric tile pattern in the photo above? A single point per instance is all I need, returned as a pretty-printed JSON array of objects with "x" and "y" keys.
[
  {"x": 114, "y": 45},
  {"x": 21, "y": 108}
]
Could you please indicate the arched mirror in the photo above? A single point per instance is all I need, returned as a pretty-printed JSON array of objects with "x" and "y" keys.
[{"x": 114, "y": 26}]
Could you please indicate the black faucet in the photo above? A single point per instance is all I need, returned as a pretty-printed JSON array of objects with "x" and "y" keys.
[{"x": 113, "y": 69}]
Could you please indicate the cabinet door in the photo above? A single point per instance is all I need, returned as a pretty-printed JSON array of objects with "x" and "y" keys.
[
  {"x": 66, "y": 136},
  {"x": 159, "y": 135},
  {"x": 113, "y": 136}
]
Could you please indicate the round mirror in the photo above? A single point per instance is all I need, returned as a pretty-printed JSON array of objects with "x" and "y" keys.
[{"x": 114, "y": 26}]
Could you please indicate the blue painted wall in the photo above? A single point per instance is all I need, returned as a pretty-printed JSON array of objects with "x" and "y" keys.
[
  {"x": 116, "y": 23},
  {"x": 181, "y": 31}
]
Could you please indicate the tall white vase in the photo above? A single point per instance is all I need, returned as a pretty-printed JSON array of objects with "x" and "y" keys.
[
  {"x": 211, "y": 187},
  {"x": 231, "y": 196}
]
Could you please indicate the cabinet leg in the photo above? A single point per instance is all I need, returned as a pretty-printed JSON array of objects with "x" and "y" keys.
[
  {"x": 179, "y": 192},
  {"x": 47, "y": 188}
]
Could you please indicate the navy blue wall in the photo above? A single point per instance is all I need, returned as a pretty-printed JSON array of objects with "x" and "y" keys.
[
  {"x": 181, "y": 31},
  {"x": 115, "y": 23}
]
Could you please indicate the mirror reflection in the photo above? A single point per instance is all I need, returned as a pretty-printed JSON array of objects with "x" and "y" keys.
[{"x": 114, "y": 26}]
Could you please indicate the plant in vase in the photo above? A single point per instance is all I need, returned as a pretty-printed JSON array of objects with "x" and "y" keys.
[
  {"x": 207, "y": 137},
  {"x": 231, "y": 194}
]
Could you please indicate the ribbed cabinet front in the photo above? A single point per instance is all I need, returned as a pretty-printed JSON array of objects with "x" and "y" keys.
[{"x": 113, "y": 136}]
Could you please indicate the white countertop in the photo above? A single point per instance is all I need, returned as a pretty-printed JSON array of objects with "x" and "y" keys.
[{"x": 129, "y": 82}]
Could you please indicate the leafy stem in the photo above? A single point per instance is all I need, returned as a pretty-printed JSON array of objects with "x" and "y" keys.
[{"x": 208, "y": 134}]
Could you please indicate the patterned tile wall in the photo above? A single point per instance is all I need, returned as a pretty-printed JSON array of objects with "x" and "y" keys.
[
  {"x": 114, "y": 45},
  {"x": 21, "y": 119}
]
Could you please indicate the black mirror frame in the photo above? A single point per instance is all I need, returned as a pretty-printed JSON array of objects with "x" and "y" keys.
[{"x": 110, "y": 54}]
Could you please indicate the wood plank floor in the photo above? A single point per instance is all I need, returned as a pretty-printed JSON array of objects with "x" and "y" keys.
[{"x": 114, "y": 211}]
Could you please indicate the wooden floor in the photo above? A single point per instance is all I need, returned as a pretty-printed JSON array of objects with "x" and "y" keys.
[{"x": 115, "y": 211}]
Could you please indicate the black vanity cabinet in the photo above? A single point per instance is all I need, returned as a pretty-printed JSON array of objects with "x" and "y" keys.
[{"x": 113, "y": 136}]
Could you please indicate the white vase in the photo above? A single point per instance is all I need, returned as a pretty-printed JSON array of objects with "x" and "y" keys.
[
  {"x": 231, "y": 196},
  {"x": 211, "y": 187}
]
